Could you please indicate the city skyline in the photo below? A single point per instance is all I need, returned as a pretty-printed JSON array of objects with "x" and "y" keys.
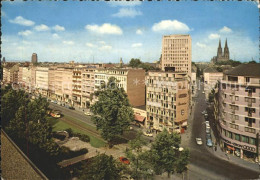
[{"x": 127, "y": 30}]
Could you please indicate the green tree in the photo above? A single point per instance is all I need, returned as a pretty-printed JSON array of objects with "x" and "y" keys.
[
  {"x": 112, "y": 113},
  {"x": 164, "y": 153},
  {"x": 101, "y": 167},
  {"x": 134, "y": 63},
  {"x": 137, "y": 156}
]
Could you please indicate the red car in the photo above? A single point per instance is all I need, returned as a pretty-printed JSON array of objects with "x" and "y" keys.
[{"x": 124, "y": 160}]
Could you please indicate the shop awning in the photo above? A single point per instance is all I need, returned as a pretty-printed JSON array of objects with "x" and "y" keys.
[
  {"x": 229, "y": 147},
  {"x": 184, "y": 124},
  {"x": 139, "y": 118}
]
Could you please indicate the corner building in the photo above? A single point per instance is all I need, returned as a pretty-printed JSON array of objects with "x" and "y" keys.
[
  {"x": 167, "y": 101},
  {"x": 237, "y": 110}
]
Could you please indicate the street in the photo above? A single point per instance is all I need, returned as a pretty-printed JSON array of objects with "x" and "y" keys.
[{"x": 201, "y": 157}]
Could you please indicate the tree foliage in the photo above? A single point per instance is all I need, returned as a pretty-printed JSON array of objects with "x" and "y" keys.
[
  {"x": 102, "y": 167},
  {"x": 134, "y": 63},
  {"x": 112, "y": 113},
  {"x": 165, "y": 156},
  {"x": 140, "y": 167}
]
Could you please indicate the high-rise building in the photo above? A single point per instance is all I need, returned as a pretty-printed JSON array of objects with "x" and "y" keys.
[
  {"x": 237, "y": 110},
  {"x": 176, "y": 53},
  {"x": 34, "y": 58}
]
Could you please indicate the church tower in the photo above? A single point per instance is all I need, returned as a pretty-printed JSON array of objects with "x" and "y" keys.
[
  {"x": 226, "y": 51},
  {"x": 219, "y": 54}
]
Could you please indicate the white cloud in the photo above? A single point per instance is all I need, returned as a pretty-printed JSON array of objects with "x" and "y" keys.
[
  {"x": 105, "y": 47},
  {"x": 124, "y": 3},
  {"x": 127, "y": 12},
  {"x": 22, "y": 21},
  {"x": 139, "y": 31},
  {"x": 225, "y": 29},
  {"x": 170, "y": 25},
  {"x": 105, "y": 29},
  {"x": 90, "y": 45},
  {"x": 26, "y": 42},
  {"x": 41, "y": 27},
  {"x": 201, "y": 45},
  {"x": 68, "y": 42},
  {"x": 3, "y": 13},
  {"x": 214, "y": 36},
  {"x": 55, "y": 35},
  {"x": 102, "y": 42},
  {"x": 59, "y": 28},
  {"x": 135, "y": 45},
  {"x": 25, "y": 33}
]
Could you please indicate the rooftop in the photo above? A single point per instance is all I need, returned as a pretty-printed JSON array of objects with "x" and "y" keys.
[{"x": 252, "y": 70}]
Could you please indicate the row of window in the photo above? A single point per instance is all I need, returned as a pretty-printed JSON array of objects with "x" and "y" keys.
[
  {"x": 239, "y": 137},
  {"x": 247, "y": 99}
]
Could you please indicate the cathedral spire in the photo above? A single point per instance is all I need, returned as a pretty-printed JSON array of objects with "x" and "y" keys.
[
  {"x": 226, "y": 51},
  {"x": 226, "y": 46},
  {"x": 219, "y": 54}
]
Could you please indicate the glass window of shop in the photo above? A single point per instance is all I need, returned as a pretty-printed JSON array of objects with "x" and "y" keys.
[{"x": 229, "y": 134}]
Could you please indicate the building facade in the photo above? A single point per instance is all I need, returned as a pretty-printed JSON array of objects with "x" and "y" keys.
[
  {"x": 42, "y": 81},
  {"x": 176, "y": 53},
  {"x": 131, "y": 80},
  {"x": 237, "y": 110},
  {"x": 211, "y": 78},
  {"x": 167, "y": 101},
  {"x": 34, "y": 58},
  {"x": 10, "y": 73}
]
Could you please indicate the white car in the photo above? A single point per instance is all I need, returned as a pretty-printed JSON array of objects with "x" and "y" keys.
[
  {"x": 87, "y": 113},
  {"x": 204, "y": 112},
  {"x": 203, "y": 92},
  {"x": 199, "y": 141},
  {"x": 148, "y": 133}
]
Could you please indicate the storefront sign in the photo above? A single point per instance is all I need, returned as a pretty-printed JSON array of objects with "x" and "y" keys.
[{"x": 244, "y": 147}]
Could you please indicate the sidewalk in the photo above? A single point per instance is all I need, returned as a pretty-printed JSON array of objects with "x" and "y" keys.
[{"x": 233, "y": 158}]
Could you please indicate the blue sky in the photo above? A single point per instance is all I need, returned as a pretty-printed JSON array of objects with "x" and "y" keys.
[{"x": 105, "y": 31}]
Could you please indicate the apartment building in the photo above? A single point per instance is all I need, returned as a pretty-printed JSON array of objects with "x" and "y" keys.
[
  {"x": 88, "y": 86},
  {"x": 131, "y": 80},
  {"x": 76, "y": 86},
  {"x": 24, "y": 78},
  {"x": 167, "y": 101},
  {"x": 211, "y": 77},
  {"x": 237, "y": 110},
  {"x": 10, "y": 73},
  {"x": 176, "y": 53},
  {"x": 42, "y": 81}
]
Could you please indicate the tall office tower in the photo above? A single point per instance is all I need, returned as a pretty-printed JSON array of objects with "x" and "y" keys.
[
  {"x": 34, "y": 58},
  {"x": 176, "y": 53}
]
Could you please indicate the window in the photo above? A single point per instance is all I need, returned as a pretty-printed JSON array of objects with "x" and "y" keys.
[
  {"x": 247, "y": 79},
  {"x": 236, "y": 98},
  {"x": 229, "y": 134},
  {"x": 236, "y": 117},
  {"x": 234, "y": 126},
  {"x": 252, "y": 141},
  {"x": 224, "y": 86},
  {"x": 237, "y": 137},
  {"x": 245, "y": 139},
  {"x": 246, "y": 99},
  {"x": 250, "y": 130},
  {"x": 225, "y": 96},
  {"x": 182, "y": 112}
]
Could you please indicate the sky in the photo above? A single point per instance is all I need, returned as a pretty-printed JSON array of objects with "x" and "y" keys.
[{"x": 107, "y": 31}]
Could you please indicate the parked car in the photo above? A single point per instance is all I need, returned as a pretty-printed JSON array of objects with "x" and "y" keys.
[
  {"x": 199, "y": 141},
  {"x": 87, "y": 113},
  {"x": 124, "y": 160},
  {"x": 204, "y": 112},
  {"x": 206, "y": 115},
  {"x": 71, "y": 107},
  {"x": 207, "y": 130},
  {"x": 203, "y": 92},
  {"x": 148, "y": 133},
  {"x": 209, "y": 143},
  {"x": 208, "y": 136},
  {"x": 207, "y": 124},
  {"x": 55, "y": 114}
]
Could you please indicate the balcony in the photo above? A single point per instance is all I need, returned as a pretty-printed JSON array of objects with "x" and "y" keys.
[
  {"x": 249, "y": 114},
  {"x": 249, "y": 104},
  {"x": 233, "y": 111},
  {"x": 249, "y": 124},
  {"x": 250, "y": 94},
  {"x": 233, "y": 102}
]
